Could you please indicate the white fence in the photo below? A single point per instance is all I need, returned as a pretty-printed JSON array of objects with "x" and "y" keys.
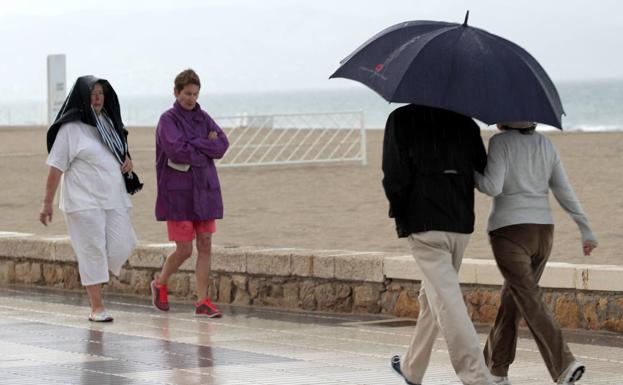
[{"x": 261, "y": 140}]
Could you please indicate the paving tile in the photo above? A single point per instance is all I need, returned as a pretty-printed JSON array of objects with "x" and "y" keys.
[{"x": 46, "y": 339}]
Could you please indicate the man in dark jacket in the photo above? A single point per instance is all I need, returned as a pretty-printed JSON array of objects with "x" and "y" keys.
[{"x": 429, "y": 156}]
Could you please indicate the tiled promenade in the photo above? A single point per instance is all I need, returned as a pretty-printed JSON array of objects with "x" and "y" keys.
[{"x": 45, "y": 338}]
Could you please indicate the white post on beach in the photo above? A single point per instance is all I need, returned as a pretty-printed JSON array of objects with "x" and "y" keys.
[{"x": 56, "y": 85}]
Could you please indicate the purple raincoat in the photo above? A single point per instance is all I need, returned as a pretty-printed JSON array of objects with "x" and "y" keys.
[{"x": 193, "y": 195}]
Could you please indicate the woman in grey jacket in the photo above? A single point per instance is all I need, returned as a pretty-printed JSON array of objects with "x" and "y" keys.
[{"x": 522, "y": 166}]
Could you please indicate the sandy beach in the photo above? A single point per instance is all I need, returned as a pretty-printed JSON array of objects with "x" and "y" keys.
[{"x": 322, "y": 207}]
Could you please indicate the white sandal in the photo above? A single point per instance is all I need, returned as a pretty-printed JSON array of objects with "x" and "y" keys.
[{"x": 101, "y": 316}]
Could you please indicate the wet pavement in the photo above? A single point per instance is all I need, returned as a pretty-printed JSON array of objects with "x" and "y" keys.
[{"x": 45, "y": 338}]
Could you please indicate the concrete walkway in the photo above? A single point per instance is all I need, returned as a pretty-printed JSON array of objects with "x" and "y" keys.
[{"x": 45, "y": 338}]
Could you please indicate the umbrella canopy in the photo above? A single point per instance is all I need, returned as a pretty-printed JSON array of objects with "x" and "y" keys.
[{"x": 456, "y": 67}]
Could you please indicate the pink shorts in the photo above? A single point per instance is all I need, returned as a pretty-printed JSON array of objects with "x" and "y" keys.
[{"x": 184, "y": 231}]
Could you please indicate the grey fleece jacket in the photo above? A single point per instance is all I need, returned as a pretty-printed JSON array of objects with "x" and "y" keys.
[{"x": 521, "y": 168}]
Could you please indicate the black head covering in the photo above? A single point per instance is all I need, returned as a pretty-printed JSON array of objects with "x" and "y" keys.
[{"x": 77, "y": 106}]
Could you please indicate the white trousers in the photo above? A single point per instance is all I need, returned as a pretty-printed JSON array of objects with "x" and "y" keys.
[
  {"x": 438, "y": 254},
  {"x": 102, "y": 240}
]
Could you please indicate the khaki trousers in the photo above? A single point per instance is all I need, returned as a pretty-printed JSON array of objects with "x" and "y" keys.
[
  {"x": 439, "y": 254},
  {"x": 521, "y": 252}
]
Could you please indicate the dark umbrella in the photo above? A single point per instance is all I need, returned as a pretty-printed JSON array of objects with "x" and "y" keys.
[{"x": 456, "y": 67}]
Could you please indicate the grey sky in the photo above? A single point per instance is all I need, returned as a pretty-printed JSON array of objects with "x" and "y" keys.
[{"x": 267, "y": 45}]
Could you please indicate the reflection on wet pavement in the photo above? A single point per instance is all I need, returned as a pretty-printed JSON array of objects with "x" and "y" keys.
[{"x": 45, "y": 338}]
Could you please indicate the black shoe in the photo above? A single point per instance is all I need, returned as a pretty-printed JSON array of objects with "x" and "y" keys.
[{"x": 396, "y": 366}]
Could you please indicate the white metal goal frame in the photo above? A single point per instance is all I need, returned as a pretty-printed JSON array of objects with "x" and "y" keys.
[{"x": 286, "y": 139}]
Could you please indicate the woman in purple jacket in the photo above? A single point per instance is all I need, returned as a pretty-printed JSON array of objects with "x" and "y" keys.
[{"x": 189, "y": 194}]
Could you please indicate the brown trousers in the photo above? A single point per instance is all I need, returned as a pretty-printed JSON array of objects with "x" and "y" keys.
[{"x": 521, "y": 252}]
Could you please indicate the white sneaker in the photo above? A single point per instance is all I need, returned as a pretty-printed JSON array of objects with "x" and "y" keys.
[
  {"x": 574, "y": 372},
  {"x": 497, "y": 380}
]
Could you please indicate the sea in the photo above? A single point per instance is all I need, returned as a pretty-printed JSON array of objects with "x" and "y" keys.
[{"x": 590, "y": 106}]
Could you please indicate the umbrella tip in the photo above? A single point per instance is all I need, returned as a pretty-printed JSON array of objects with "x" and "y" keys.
[{"x": 466, "y": 17}]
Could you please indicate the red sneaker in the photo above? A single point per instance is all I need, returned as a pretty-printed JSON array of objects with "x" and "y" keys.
[
  {"x": 159, "y": 295},
  {"x": 207, "y": 309}
]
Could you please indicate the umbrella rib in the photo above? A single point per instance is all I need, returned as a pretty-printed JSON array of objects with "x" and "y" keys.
[
  {"x": 553, "y": 99},
  {"x": 524, "y": 55},
  {"x": 434, "y": 35},
  {"x": 387, "y": 31}
]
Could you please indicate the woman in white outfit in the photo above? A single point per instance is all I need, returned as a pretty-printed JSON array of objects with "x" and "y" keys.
[
  {"x": 522, "y": 167},
  {"x": 88, "y": 157}
]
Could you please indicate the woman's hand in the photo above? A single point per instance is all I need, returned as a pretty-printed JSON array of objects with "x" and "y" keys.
[
  {"x": 588, "y": 247},
  {"x": 54, "y": 177},
  {"x": 45, "y": 215},
  {"x": 212, "y": 135},
  {"x": 127, "y": 165}
]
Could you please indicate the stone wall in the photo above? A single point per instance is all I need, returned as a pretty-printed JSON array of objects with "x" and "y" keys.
[
  {"x": 321, "y": 280},
  {"x": 573, "y": 309}
]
